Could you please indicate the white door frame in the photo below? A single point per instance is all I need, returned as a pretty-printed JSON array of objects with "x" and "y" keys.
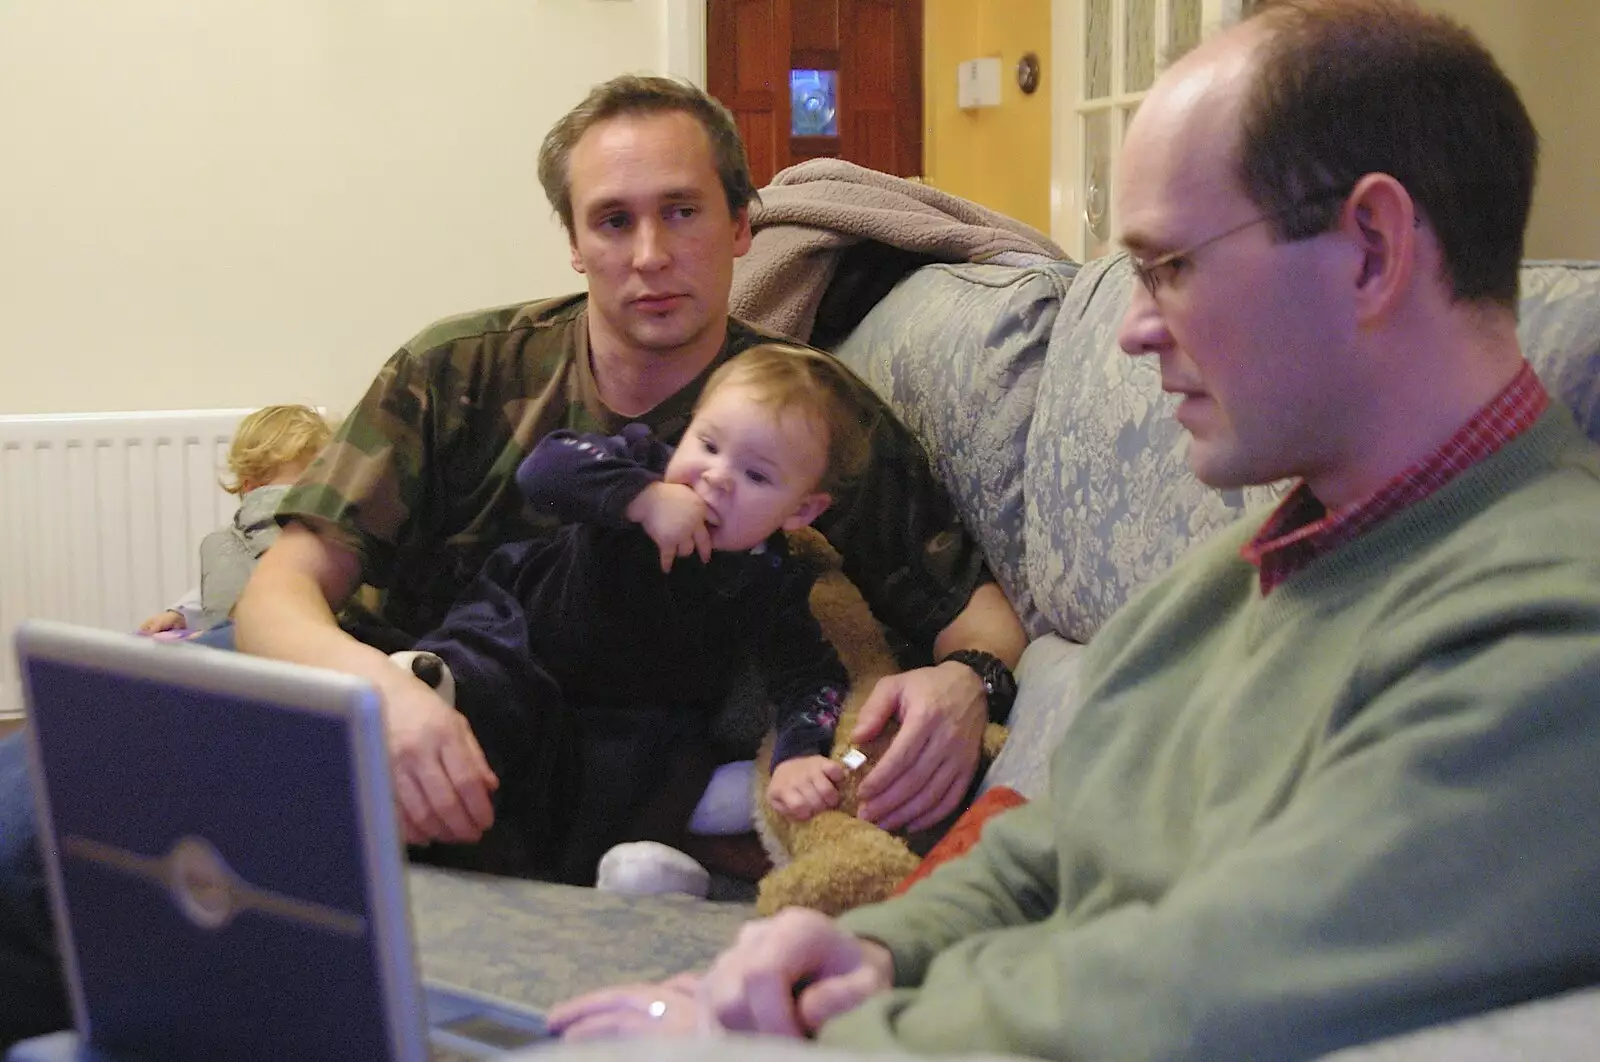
[{"x": 683, "y": 39}]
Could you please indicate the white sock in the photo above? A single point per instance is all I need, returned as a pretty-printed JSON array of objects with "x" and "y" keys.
[{"x": 649, "y": 868}]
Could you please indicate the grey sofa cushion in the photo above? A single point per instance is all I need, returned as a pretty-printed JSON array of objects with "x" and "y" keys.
[
  {"x": 957, "y": 351},
  {"x": 723, "y": 1049},
  {"x": 1047, "y": 700},
  {"x": 1110, "y": 501},
  {"x": 1563, "y": 1029},
  {"x": 1559, "y": 324}
]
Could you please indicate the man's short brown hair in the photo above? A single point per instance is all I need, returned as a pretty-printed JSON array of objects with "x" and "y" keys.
[
  {"x": 1344, "y": 88},
  {"x": 814, "y": 384},
  {"x": 633, "y": 94}
]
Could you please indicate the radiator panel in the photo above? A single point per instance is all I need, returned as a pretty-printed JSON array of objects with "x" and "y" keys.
[{"x": 101, "y": 516}]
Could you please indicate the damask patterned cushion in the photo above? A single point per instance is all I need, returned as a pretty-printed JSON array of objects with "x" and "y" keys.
[
  {"x": 1111, "y": 502},
  {"x": 957, "y": 351},
  {"x": 1559, "y": 325}
]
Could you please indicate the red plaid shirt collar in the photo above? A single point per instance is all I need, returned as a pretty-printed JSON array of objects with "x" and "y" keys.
[{"x": 1300, "y": 530}]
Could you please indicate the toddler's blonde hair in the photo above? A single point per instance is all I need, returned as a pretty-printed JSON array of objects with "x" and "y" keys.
[
  {"x": 788, "y": 377},
  {"x": 271, "y": 439}
]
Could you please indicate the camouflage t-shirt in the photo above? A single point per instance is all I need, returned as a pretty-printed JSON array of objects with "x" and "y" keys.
[{"x": 420, "y": 479}]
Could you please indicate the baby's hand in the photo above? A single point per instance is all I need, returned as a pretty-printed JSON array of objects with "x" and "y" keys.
[
  {"x": 170, "y": 620},
  {"x": 803, "y": 786},
  {"x": 675, "y": 519}
]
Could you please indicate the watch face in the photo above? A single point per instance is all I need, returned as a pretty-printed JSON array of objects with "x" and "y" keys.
[{"x": 998, "y": 684}]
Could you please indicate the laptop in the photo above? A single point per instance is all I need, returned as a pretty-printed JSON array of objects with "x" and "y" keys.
[{"x": 225, "y": 862}]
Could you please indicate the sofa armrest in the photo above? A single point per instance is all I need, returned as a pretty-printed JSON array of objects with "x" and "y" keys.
[
  {"x": 1548, "y": 1030},
  {"x": 723, "y": 1049},
  {"x": 1047, "y": 700}
]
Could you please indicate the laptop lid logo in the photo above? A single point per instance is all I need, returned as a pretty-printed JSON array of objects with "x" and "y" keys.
[{"x": 206, "y": 889}]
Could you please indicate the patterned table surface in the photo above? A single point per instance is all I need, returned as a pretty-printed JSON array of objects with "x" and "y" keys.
[{"x": 537, "y": 943}]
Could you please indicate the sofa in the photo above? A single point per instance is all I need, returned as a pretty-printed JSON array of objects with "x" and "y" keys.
[{"x": 1063, "y": 456}]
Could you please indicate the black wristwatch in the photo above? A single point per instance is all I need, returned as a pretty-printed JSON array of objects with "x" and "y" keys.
[{"x": 998, "y": 681}]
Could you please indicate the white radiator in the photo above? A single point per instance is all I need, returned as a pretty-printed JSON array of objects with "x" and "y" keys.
[{"x": 101, "y": 516}]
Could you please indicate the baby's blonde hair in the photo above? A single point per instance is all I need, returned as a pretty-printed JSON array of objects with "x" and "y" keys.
[
  {"x": 788, "y": 377},
  {"x": 271, "y": 439}
]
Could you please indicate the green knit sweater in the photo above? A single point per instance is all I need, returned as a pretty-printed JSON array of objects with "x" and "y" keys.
[{"x": 1367, "y": 802}]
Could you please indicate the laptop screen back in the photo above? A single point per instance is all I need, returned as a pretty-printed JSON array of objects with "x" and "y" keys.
[{"x": 225, "y": 853}]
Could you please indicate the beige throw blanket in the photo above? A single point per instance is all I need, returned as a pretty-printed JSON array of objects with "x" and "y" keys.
[{"x": 812, "y": 211}]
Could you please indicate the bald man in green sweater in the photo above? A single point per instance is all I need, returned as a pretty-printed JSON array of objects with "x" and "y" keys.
[{"x": 1335, "y": 776}]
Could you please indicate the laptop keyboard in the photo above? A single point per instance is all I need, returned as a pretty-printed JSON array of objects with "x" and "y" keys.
[
  {"x": 462, "y": 1028},
  {"x": 450, "y": 1054},
  {"x": 445, "y": 1054}
]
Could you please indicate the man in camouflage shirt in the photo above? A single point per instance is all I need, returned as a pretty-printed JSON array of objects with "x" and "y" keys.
[
  {"x": 650, "y": 181},
  {"x": 649, "y": 178}
]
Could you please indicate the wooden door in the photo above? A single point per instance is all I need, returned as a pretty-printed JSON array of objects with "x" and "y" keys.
[{"x": 862, "y": 57}]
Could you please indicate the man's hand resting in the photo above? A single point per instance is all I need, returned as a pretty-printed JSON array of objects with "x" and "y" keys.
[
  {"x": 751, "y": 986},
  {"x": 667, "y": 1008},
  {"x": 931, "y": 762},
  {"x": 441, "y": 778}
]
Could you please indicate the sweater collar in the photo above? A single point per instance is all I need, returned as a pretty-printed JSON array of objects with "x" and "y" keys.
[{"x": 1301, "y": 530}]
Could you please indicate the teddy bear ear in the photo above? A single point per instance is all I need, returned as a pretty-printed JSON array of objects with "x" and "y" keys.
[{"x": 807, "y": 545}]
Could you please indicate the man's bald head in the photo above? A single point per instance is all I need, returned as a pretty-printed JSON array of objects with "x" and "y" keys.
[{"x": 1337, "y": 89}]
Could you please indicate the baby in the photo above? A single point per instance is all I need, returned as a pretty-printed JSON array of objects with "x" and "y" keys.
[{"x": 587, "y": 660}]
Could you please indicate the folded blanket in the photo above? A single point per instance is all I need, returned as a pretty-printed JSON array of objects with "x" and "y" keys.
[{"x": 811, "y": 212}]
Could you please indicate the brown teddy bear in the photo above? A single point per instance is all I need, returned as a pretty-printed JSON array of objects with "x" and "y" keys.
[{"x": 835, "y": 861}]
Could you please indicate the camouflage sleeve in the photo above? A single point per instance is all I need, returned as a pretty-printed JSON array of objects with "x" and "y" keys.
[
  {"x": 366, "y": 485},
  {"x": 902, "y": 541}
]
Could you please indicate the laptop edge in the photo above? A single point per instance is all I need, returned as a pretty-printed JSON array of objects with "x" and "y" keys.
[{"x": 312, "y": 689}]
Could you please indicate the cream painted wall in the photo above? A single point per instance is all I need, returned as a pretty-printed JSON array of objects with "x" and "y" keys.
[
  {"x": 210, "y": 203},
  {"x": 1547, "y": 48},
  {"x": 997, "y": 156}
]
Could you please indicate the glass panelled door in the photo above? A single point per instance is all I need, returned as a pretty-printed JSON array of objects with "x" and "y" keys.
[{"x": 1119, "y": 46}]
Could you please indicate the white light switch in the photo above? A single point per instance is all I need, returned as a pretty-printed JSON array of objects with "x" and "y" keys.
[{"x": 978, "y": 83}]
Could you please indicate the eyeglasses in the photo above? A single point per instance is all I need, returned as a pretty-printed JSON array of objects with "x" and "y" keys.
[{"x": 1162, "y": 270}]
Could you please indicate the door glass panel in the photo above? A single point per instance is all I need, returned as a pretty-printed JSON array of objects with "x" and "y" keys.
[
  {"x": 1139, "y": 45},
  {"x": 1097, "y": 49},
  {"x": 1183, "y": 26},
  {"x": 814, "y": 103},
  {"x": 1097, "y": 182}
]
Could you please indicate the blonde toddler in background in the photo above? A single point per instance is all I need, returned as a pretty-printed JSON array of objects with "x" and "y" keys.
[{"x": 270, "y": 449}]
